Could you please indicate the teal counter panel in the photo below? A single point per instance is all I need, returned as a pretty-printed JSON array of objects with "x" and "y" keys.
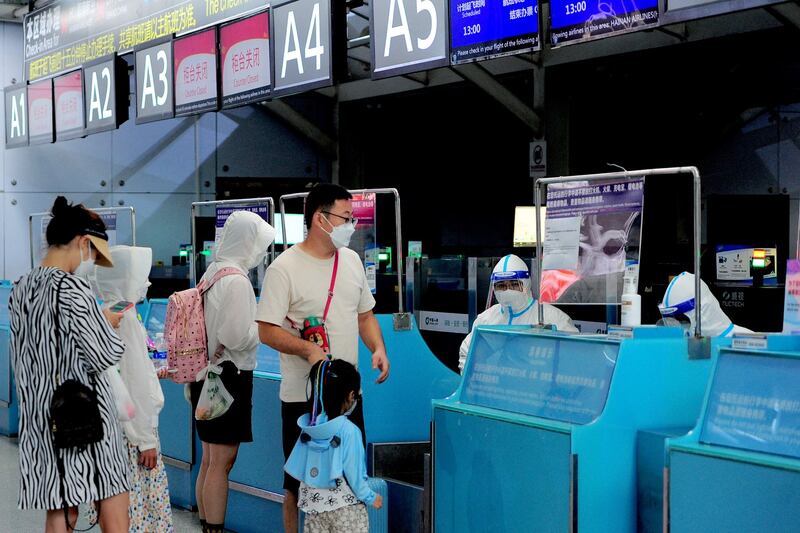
[
  {"x": 493, "y": 475},
  {"x": 710, "y": 494},
  {"x": 176, "y": 427}
]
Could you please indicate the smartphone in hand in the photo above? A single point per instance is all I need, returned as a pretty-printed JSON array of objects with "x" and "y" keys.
[{"x": 121, "y": 307}]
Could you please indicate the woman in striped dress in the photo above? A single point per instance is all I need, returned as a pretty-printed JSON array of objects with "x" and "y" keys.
[{"x": 87, "y": 344}]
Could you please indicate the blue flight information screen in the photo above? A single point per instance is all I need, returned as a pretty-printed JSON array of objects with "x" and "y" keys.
[
  {"x": 480, "y": 29},
  {"x": 572, "y": 20}
]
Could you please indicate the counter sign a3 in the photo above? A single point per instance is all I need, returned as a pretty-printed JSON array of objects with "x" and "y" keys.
[
  {"x": 154, "y": 95},
  {"x": 105, "y": 93},
  {"x": 16, "y": 109},
  {"x": 408, "y": 36},
  {"x": 302, "y": 45}
]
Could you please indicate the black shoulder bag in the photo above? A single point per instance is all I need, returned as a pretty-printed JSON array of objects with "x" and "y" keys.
[{"x": 75, "y": 421}]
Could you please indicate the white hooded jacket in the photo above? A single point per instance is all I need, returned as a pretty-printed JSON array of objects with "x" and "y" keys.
[
  {"x": 526, "y": 314},
  {"x": 128, "y": 281},
  {"x": 230, "y": 305}
]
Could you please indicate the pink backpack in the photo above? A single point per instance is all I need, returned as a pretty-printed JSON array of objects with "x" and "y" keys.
[{"x": 185, "y": 330}]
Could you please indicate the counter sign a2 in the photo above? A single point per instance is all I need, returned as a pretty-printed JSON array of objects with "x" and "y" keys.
[
  {"x": 408, "y": 36},
  {"x": 105, "y": 93},
  {"x": 302, "y": 45}
]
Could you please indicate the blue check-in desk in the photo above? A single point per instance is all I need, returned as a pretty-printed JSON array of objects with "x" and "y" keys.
[
  {"x": 9, "y": 409},
  {"x": 739, "y": 469},
  {"x": 541, "y": 435}
]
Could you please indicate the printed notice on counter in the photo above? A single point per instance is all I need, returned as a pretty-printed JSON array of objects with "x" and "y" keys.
[
  {"x": 754, "y": 404},
  {"x": 548, "y": 377},
  {"x": 743, "y": 341},
  {"x": 562, "y": 240},
  {"x": 444, "y": 322}
]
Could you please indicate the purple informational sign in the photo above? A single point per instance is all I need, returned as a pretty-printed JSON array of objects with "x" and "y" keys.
[{"x": 595, "y": 199}]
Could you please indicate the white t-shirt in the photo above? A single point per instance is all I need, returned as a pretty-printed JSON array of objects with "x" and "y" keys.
[{"x": 296, "y": 286}]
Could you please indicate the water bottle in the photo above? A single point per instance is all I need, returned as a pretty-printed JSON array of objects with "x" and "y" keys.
[{"x": 160, "y": 354}]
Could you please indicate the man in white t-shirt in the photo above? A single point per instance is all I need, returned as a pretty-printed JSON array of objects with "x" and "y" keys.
[{"x": 295, "y": 296}]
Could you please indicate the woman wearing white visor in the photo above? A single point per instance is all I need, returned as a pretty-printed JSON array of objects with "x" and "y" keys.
[{"x": 511, "y": 284}]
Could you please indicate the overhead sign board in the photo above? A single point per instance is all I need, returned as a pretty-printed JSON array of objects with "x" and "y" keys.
[
  {"x": 303, "y": 45},
  {"x": 155, "y": 98},
  {"x": 16, "y": 114},
  {"x": 408, "y": 36},
  {"x": 572, "y": 21},
  {"x": 482, "y": 29},
  {"x": 245, "y": 64},
  {"x": 68, "y": 103},
  {"x": 196, "y": 81},
  {"x": 67, "y": 34},
  {"x": 40, "y": 112},
  {"x": 105, "y": 94}
]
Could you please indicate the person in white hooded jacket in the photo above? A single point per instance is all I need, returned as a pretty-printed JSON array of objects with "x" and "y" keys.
[
  {"x": 511, "y": 284},
  {"x": 149, "y": 507},
  {"x": 230, "y": 310},
  {"x": 679, "y": 302}
]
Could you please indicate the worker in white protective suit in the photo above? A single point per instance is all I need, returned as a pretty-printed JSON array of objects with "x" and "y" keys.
[
  {"x": 679, "y": 304},
  {"x": 511, "y": 284},
  {"x": 149, "y": 496}
]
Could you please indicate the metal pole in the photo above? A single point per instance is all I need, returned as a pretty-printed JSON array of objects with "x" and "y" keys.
[
  {"x": 192, "y": 271},
  {"x": 634, "y": 174},
  {"x": 539, "y": 247}
]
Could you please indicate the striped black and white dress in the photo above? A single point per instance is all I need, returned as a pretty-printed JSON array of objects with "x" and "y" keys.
[{"x": 88, "y": 344}]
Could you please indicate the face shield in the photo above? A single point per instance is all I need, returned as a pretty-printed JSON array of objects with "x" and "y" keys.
[
  {"x": 676, "y": 315},
  {"x": 508, "y": 281}
]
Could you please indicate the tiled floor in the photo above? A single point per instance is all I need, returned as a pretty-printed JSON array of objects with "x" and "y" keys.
[{"x": 12, "y": 520}]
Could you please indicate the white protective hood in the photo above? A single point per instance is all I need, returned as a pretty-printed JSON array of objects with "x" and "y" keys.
[
  {"x": 714, "y": 321},
  {"x": 127, "y": 280},
  {"x": 244, "y": 241}
]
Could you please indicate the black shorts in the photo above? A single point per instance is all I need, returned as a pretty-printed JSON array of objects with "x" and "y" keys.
[
  {"x": 236, "y": 425},
  {"x": 290, "y": 412}
]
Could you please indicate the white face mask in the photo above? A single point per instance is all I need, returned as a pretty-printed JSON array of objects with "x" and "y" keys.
[
  {"x": 516, "y": 300},
  {"x": 86, "y": 269},
  {"x": 340, "y": 235},
  {"x": 351, "y": 409},
  {"x": 143, "y": 292}
]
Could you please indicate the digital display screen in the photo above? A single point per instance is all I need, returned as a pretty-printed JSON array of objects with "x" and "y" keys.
[
  {"x": 481, "y": 29},
  {"x": 586, "y": 19}
]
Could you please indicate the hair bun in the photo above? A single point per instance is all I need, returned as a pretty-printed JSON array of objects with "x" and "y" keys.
[{"x": 60, "y": 207}]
